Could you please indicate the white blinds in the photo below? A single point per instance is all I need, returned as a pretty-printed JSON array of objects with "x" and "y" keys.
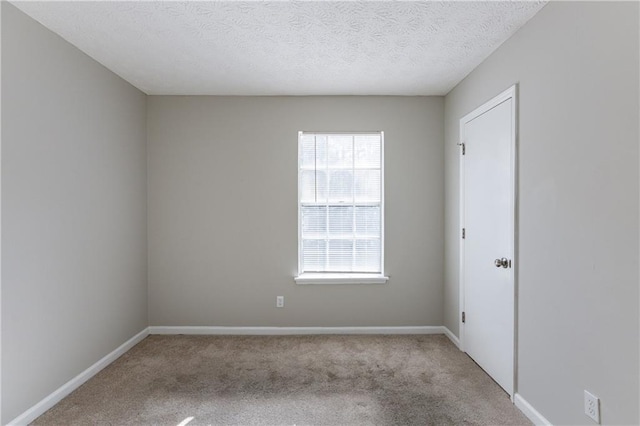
[{"x": 340, "y": 194}]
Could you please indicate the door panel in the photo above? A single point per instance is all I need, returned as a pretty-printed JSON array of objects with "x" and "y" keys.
[{"x": 488, "y": 216}]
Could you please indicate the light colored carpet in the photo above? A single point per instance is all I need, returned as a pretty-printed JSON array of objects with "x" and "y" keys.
[{"x": 289, "y": 380}]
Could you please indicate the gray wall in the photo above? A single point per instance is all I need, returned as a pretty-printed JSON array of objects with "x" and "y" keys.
[
  {"x": 577, "y": 69},
  {"x": 223, "y": 211},
  {"x": 73, "y": 212}
]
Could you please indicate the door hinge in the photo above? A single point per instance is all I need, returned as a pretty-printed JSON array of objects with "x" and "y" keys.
[
  {"x": 464, "y": 233},
  {"x": 463, "y": 147},
  {"x": 464, "y": 317}
]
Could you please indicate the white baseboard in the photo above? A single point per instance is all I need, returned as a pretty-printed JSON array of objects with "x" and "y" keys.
[
  {"x": 528, "y": 410},
  {"x": 281, "y": 331},
  {"x": 37, "y": 410},
  {"x": 454, "y": 339}
]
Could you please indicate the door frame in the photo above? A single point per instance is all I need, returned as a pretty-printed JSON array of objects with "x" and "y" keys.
[{"x": 510, "y": 93}]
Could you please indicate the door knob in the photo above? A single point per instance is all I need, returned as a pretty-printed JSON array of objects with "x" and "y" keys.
[{"x": 502, "y": 263}]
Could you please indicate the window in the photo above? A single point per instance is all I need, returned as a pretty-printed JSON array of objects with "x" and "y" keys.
[{"x": 340, "y": 207}]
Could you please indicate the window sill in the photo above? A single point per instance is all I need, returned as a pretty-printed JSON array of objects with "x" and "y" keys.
[{"x": 327, "y": 278}]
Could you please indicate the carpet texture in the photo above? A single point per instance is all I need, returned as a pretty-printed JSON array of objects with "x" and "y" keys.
[{"x": 289, "y": 380}]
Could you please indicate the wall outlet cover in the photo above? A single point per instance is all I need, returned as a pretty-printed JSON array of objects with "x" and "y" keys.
[{"x": 592, "y": 406}]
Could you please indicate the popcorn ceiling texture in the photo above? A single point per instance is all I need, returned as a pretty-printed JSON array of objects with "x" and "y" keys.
[{"x": 286, "y": 48}]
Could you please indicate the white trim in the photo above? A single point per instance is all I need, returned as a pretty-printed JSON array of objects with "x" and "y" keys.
[
  {"x": 461, "y": 226},
  {"x": 328, "y": 278},
  {"x": 354, "y": 132},
  {"x": 528, "y": 410},
  {"x": 286, "y": 331},
  {"x": 299, "y": 198},
  {"x": 454, "y": 339},
  {"x": 510, "y": 93},
  {"x": 56, "y": 396},
  {"x": 382, "y": 207},
  {"x": 0, "y": 220}
]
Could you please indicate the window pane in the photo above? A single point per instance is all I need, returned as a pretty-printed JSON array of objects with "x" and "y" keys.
[
  {"x": 340, "y": 221},
  {"x": 340, "y": 255},
  {"x": 367, "y": 256},
  {"x": 321, "y": 151},
  {"x": 321, "y": 186},
  {"x": 314, "y": 221},
  {"x": 313, "y": 186},
  {"x": 368, "y": 221},
  {"x": 308, "y": 186},
  {"x": 367, "y": 151},
  {"x": 314, "y": 255},
  {"x": 340, "y": 186},
  {"x": 367, "y": 183},
  {"x": 340, "y": 151},
  {"x": 308, "y": 151}
]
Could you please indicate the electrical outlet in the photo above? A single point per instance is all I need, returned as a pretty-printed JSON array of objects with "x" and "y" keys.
[
  {"x": 592, "y": 406},
  {"x": 279, "y": 301}
]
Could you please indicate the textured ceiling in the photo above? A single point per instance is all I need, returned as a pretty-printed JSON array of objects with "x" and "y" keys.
[{"x": 286, "y": 48}]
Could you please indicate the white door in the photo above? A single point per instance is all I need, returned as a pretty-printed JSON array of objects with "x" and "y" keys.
[{"x": 488, "y": 246}]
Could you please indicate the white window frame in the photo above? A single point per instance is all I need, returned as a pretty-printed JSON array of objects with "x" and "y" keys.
[{"x": 333, "y": 277}]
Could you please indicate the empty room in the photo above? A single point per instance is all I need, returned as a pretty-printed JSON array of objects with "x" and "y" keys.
[{"x": 319, "y": 212}]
